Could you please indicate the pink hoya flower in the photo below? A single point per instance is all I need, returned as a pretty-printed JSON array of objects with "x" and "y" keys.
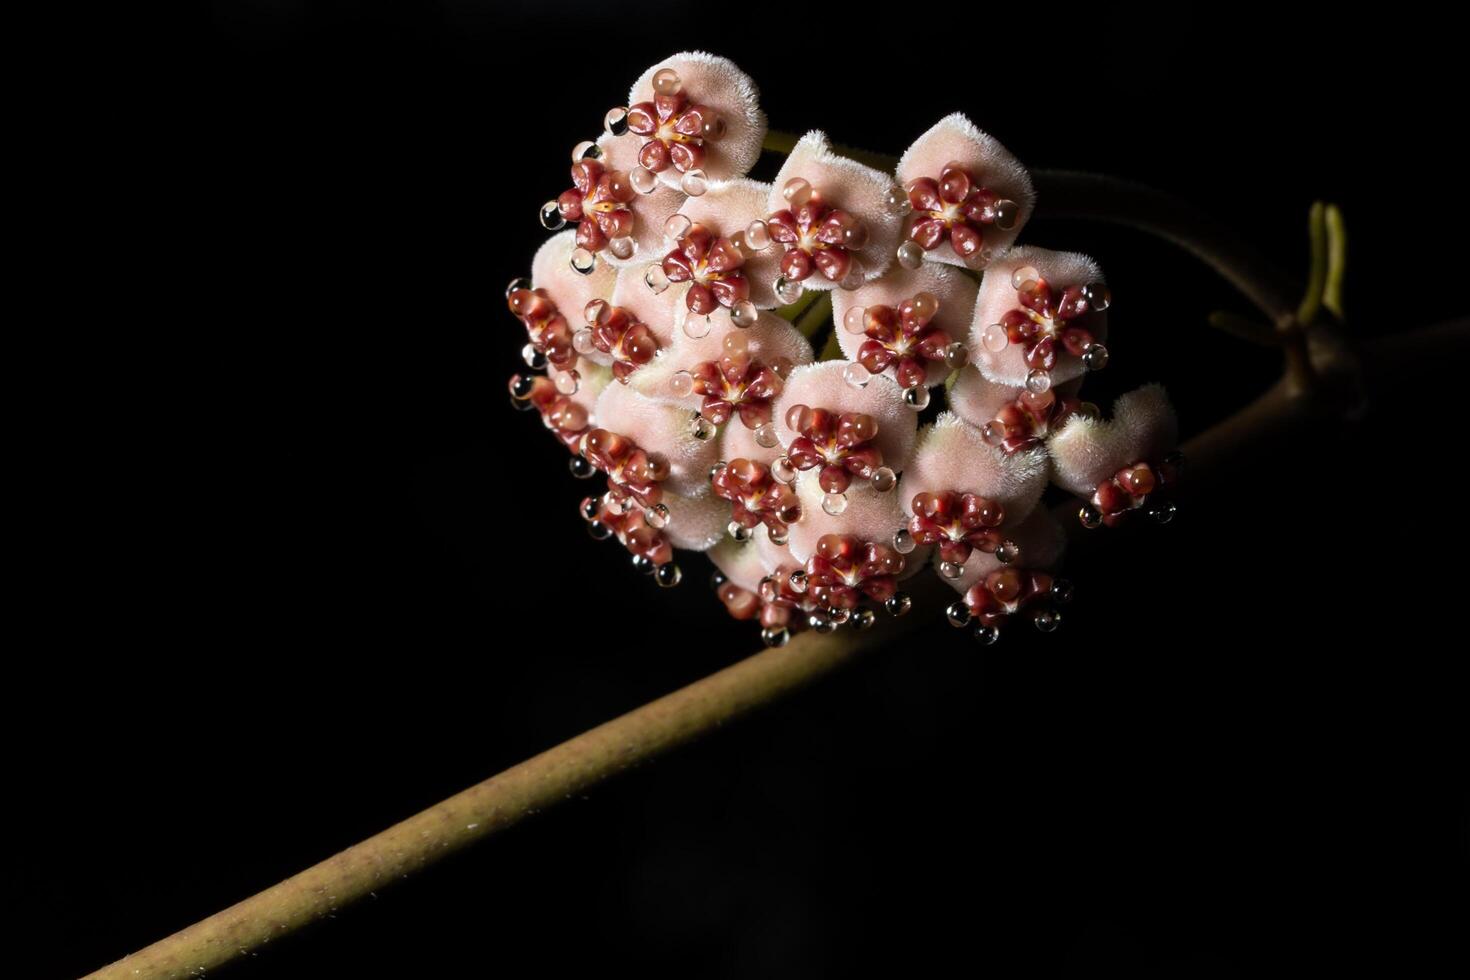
[
  {"x": 624, "y": 327},
  {"x": 993, "y": 591},
  {"x": 710, "y": 257},
  {"x": 968, "y": 197},
  {"x": 979, "y": 506},
  {"x": 550, "y": 303},
  {"x": 657, "y": 472},
  {"x": 829, "y": 219},
  {"x": 963, "y": 495},
  {"x": 729, "y": 373},
  {"x": 1014, "y": 419},
  {"x": 909, "y": 325},
  {"x": 1039, "y": 319},
  {"x": 841, "y": 430},
  {"x": 694, "y": 114},
  {"x": 1121, "y": 464}
]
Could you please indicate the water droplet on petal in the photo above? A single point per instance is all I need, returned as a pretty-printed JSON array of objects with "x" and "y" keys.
[
  {"x": 586, "y": 150},
  {"x": 1038, "y": 381},
  {"x": 916, "y": 398},
  {"x": 834, "y": 503},
  {"x": 616, "y": 120},
  {"x": 758, "y": 236},
  {"x": 783, "y": 470},
  {"x": 1006, "y": 213},
  {"x": 855, "y": 275},
  {"x": 694, "y": 183},
  {"x": 644, "y": 181},
  {"x": 789, "y": 290},
  {"x": 1095, "y": 357},
  {"x": 856, "y": 375},
  {"x": 956, "y": 356},
  {"x": 622, "y": 248},
  {"x": 949, "y": 569},
  {"x": 766, "y": 436},
  {"x": 910, "y": 255},
  {"x": 883, "y": 479},
  {"x": 701, "y": 428},
  {"x": 566, "y": 382},
  {"x": 1023, "y": 275},
  {"x": 743, "y": 313},
  {"x": 551, "y": 218},
  {"x": 657, "y": 516},
  {"x": 1098, "y": 296},
  {"x": 677, "y": 227},
  {"x": 903, "y": 541},
  {"x": 583, "y": 261},
  {"x": 666, "y": 81},
  {"x": 682, "y": 384},
  {"x": 696, "y": 326},
  {"x": 656, "y": 279},
  {"x": 995, "y": 338},
  {"x": 855, "y": 320},
  {"x": 535, "y": 360},
  {"x": 897, "y": 201},
  {"x": 797, "y": 191}
]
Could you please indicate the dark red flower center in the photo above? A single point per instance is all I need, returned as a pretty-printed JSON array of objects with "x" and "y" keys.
[
  {"x": 621, "y": 335},
  {"x": 598, "y": 202},
  {"x": 756, "y": 497},
  {"x": 631, "y": 471},
  {"x": 843, "y": 569},
  {"x": 547, "y": 329},
  {"x": 958, "y": 523},
  {"x": 711, "y": 265},
  {"x": 564, "y": 417},
  {"x": 816, "y": 238},
  {"x": 956, "y": 207},
  {"x": 1046, "y": 320},
  {"x": 840, "y": 443},
  {"x": 675, "y": 131},
  {"x": 903, "y": 339}
]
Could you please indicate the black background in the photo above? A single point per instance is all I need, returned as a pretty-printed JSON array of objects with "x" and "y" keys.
[{"x": 326, "y": 577}]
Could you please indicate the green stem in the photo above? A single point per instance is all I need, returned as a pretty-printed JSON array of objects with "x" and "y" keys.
[{"x": 1336, "y": 261}]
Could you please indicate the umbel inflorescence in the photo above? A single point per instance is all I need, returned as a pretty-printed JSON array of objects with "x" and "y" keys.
[{"x": 671, "y": 320}]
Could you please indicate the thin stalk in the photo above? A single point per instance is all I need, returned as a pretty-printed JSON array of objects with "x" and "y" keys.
[{"x": 503, "y": 801}]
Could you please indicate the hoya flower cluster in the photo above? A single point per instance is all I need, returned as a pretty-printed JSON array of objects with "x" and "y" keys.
[{"x": 671, "y": 321}]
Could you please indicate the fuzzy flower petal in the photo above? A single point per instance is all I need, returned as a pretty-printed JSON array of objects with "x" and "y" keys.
[
  {"x": 847, "y": 219},
  {"x": 1089, "y": 451},
  {"x": 881, "y": 339},
  {"x": 969, "y": 189},
  {"x": 695, "y": 524},
  {"x": 1037, "y": 328},
  {"x": 869, "y": 516},
  {"x": 659, "y": 429},
  {"x": 658, "y": 310},
  {"x": 713, "y": 121},
  {"x": 951, "y": 457}
]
